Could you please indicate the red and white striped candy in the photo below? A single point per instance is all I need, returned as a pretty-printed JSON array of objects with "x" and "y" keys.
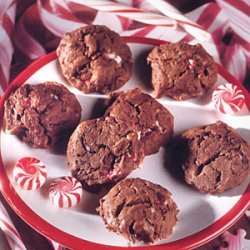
[
  {"x": 65, "y": 191},
  {"x": 228, "y": 98},
  {"x": 30, "y": 173},
  {"x": 10, "y": 232}
]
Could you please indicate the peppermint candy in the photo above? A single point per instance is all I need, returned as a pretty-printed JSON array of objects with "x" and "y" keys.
[
  {"x": 228, "y": 98},
  {"x": 65, "y": 191},
  {"x": 29, "y": 173}
]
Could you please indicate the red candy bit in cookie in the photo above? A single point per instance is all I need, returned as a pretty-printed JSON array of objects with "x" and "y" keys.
[
  {"x": 26, "y": 102},
  {"x": 191, "y": 63},
  {"x": 228, "y": 98},
  {"x": 65, "y": 191},
  {"x": 30, "y": 173},
  {"x": 113, "y": 173}
]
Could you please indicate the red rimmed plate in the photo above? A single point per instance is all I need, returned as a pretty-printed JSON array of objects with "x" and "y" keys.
[{"x": 201, "y": 218}]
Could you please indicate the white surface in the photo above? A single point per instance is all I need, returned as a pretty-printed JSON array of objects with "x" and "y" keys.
[{"x": 197, "y": 211}]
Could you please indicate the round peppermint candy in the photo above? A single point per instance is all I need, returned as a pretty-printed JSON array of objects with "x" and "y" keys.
[
  {"x": 29, "y": 173},
  {"x": 228, "y": 98},
  {"x": 65, "y": 191}
]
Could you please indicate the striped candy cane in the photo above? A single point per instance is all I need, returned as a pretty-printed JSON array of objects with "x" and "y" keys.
[
  {"x": 9, "y": 231},
  {"x": 128, "y": 12},
  {"x": 7, "y": 19},
  {"x": 13, "y": 237},
  {"x": 235, "y": 55},
  {"x": 172, "y": 17},
  {"x": 60, "y": 17},
  {"x": 238, "y": 14},
  {"x": 189, "y": 26}
]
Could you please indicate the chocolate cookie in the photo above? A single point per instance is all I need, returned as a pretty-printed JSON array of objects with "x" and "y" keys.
[
  {"x": 136, "y": 109},
  {"x": 41, "y": 114},
  {"x": 95, "y": 59},
  {"x": 181, "y": 70},
  {"x": 214, "y": 157},
  {"x": 139, "y": 210},
  {"x": 102, "y": 151}
]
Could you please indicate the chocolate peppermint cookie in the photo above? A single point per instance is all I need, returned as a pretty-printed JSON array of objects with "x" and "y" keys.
[
  {"x": 41, "y": 114},
  {"x": 181, "y": 71},
  {"x": 102, "y": 151},
  {"x": 214, "y": 157},
  {"x": 141, "y": 111},
  {"x": 139, "y": 210},
  {"x": 95, "y": 59}
]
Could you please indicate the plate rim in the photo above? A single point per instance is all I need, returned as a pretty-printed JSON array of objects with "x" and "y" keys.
[{"x": 68, "y": 240}]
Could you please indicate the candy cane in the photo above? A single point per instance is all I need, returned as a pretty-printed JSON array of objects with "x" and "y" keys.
[
  {"x": 172, "y": 17},
  {"x": 25, "y": 42},
  {"x": 9, "y": 230},
  {"x": 7, "y": 17},
  {"x": 238, "y": 13},
  {"x": 128, "y": 12},
  {"x": 189, "y": 26}
]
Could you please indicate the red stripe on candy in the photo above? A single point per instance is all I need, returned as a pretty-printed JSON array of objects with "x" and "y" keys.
[
  {"x": 208, "y": 15},
  {"x": 239, "y": 5},
  {"x": 144, "y": 31}
]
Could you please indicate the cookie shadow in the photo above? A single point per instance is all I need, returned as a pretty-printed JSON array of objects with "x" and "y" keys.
[
  {"x": 174, "y": 155},
  {"x": 143, "y": 70},
  {"x": 44, "y": 189},
  {"x": 195, "y": 218},
  {"x": 9, "y": 166},
  {"x": 99, "y": 108},
  {"x": 244, "y": 133},
  {"x": 91, "y": 201},
  {"x": 60, "y": 147},
  {"x": 204, "y": 100}
]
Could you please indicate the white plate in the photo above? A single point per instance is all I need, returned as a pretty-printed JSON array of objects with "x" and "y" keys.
[{"x": 201, "y": 216}]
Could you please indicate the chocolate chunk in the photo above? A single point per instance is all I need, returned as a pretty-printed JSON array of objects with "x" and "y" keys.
[
  {"x": 214, "y": 157},
  {"x": 139, "y": 210},
  {"x": 95, "y": 59},
  {"x": 181, "y": 71},
  {"x": 42, "y": 114},
  {"x": 103, "y": 151},
  {"x": 142, "y": 112}
]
